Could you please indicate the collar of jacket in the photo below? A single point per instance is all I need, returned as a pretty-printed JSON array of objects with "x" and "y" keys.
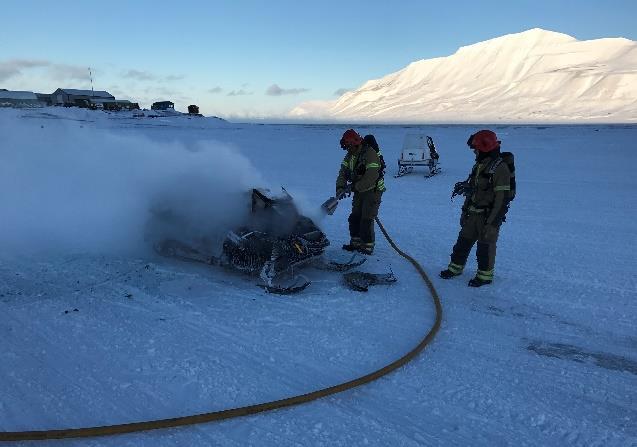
[
  {"x": 482, "y": 156},
  {"x": 355, "y": 152}
]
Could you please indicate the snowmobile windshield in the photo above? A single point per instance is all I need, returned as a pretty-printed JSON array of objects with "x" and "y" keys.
[{"x": 276, "y": 215}]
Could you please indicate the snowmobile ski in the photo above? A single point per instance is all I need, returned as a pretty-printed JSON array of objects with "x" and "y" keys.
[
  {"x": 300, "y": 283},
  {"x": 437, "y": 170},
  {"x": 361, "y": 281},
  {"x": 338, "y": 265}
]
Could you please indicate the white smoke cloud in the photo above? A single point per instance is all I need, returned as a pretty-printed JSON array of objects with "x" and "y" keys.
[{"x": 70, "y": 188}]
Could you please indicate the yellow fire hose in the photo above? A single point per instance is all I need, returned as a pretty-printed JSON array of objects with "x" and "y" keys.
[{"x": 251, "y": 409}]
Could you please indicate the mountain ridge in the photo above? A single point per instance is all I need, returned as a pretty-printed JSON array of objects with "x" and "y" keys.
[{"x": 534, "y": 76}]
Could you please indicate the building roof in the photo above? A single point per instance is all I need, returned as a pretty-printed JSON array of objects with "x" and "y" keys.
[
  {"x": 98, "y": 93},
  {"x": 8, "y": 94},
  {"x": 164, "y": 102}
]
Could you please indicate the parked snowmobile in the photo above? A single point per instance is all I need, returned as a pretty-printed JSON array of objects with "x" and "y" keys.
[{"x": 275, "y": 240}]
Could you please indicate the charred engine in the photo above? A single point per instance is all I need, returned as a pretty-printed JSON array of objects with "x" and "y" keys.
[{"x": 276, "y": 239}]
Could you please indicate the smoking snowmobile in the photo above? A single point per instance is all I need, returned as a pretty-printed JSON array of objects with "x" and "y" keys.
[{"x": 275, "y": 241}]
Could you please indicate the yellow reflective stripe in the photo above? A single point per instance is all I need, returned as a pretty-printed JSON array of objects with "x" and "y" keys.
[
  {"x": 345, "y": 164},
  {"x": 502, "y": 188},
  {"x": 372, "y": 165},
  {"x": 455, "y": 268},
  {"x": 475, "y": 180},
  {"x": 486, "y": 275},
  {"x": 476, "y": 210},
  {"x": 352, "y": 163}
]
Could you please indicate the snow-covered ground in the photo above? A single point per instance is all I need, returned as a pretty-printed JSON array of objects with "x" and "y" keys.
[{"x": 95, "y": 329}]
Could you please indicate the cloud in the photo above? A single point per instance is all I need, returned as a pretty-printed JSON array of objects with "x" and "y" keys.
[
  {"x": 14, "y": 67},
  {"x": 275, "y": 90},
  {"x": 64, "y": 72},
  {"x": 141, "y": 75},
  {"x": 241, "y": 92},
  {"x": 58, "y": 72},
  {"x": 215, "y": 90},
  {"x": 312, "y": 110},
  {"x": 342, "y": 91},
  {"x": 171, "y": 78}
]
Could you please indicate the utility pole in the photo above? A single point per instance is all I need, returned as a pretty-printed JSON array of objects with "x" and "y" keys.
[{"x": 90, "y": 75}]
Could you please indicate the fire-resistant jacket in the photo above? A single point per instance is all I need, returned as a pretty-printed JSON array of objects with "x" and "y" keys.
[
  {"x": 491, "y": 188},
  {"x": 362, "y": 168}
]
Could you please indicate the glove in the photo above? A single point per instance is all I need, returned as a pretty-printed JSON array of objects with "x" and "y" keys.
[
  {"x": 344, "y": 191},
  {"x": 490, "y": 233}
]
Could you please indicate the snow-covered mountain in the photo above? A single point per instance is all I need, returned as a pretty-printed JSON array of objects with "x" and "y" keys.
[{"x": 533, "y": 76}]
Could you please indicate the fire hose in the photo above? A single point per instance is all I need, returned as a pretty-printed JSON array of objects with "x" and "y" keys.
[{"x": 115, "y": 429}]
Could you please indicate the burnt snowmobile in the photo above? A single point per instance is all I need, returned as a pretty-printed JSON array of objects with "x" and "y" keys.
[{"x": 274, "y": 241}]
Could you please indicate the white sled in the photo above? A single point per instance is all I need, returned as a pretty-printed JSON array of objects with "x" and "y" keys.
[{"x": 418, "y": 150}]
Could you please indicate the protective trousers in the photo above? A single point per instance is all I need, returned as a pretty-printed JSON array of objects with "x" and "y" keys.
[
  {"x": 365, "y": 207},
  {"x": 472, "y": 230}
]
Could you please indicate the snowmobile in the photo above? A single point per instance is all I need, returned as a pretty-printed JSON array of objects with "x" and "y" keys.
[
  {"x": 414, "y": 154},
  {"x": 274, "y": 241}
]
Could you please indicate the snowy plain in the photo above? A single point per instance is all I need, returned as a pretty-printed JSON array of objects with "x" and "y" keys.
[{"x": 96, "y": 329}]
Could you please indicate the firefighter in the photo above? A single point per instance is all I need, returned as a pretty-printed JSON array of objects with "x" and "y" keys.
[
  {"x": 360, "y": 174},
  {"x": 487, "y": 192}
]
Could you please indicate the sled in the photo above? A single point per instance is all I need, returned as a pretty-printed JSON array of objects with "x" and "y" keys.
[{"x": 418, "y": 151}]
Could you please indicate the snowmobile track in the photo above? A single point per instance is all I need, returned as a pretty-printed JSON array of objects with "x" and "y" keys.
[{"x": 251, "y": 409}]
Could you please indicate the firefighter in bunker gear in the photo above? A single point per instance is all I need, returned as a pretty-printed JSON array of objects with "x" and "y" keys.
[
  {"x": 483, "y": 210},
  {"x": 360, "y": 171}
]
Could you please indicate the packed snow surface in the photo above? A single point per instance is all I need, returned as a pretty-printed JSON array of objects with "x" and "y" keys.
[
  {"x": 533, "y": 76},
  {"x": 95, "y": 329}
]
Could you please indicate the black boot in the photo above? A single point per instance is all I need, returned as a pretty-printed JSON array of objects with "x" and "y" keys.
[
  {"x": 366, "y": 250},
  {"x": 354, "y": 244},
  {"x": 477, "y": 282},
  {"x": 448, "y": 274}
]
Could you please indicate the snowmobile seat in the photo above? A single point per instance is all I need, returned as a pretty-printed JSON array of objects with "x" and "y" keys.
[{"x": 314, "y": 236}]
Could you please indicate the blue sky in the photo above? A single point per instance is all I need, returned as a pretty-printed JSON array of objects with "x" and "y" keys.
[{"x": 257, "y": 58}]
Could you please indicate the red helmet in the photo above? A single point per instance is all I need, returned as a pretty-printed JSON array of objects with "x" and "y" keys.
[
  {"x": 351, "y": 138},
  {"x": 484, "y": 141}
]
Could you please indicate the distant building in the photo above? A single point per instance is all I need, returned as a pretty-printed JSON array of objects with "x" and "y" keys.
[
  {"x": 81, "y": 98},
  {"x": 19, "y": 99},
  {"x": 119, "y": 104},
  {"x": 45, "y": 98},
  {"x": 163, "y": 105}
]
